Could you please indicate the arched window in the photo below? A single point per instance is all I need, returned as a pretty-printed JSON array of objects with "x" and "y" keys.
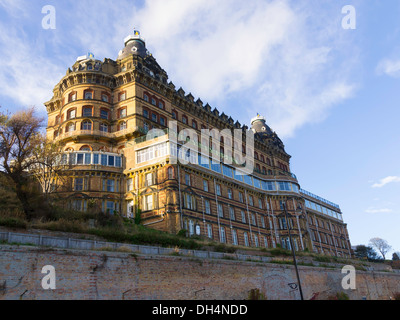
[
  {"x": 85, "y": 148},
  {"x": 88, "y": 94},
  {"x": 69, "y": 150},
  {"x": 170, "y": 173},
  {"x": 87, "y": 125}
]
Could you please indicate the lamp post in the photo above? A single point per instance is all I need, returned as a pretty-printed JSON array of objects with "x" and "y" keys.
[{"x": 293, "y": 251}]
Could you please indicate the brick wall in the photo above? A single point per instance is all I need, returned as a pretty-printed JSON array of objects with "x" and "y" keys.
[{"x": 113, "y": 275}]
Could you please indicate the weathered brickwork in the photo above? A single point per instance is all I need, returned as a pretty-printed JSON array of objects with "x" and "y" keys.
[{"x": 114, "y": 276}]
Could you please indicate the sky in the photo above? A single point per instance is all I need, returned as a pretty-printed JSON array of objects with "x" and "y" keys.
[{"x": 326, "y": 79}]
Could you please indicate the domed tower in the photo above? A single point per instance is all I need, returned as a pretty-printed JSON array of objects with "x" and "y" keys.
[
  {"x": 258, "y": 126},
  {"x": 134, "y": 44}
]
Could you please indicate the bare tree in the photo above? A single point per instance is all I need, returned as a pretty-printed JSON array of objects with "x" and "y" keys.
[
  {"x": 381, "y": 245},
  {"x": 18, "y": 139},
  {"x": 47, "y": 166}
]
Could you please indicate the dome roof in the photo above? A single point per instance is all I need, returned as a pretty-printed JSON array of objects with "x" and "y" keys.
[
  {"x": 258, "y": 125},
  {"x": 135, "y": 45}
]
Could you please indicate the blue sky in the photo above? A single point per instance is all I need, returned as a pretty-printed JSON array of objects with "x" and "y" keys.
[{"x": 331, "y": 94}]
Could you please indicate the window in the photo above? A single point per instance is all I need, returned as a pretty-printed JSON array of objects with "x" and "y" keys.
[
  {"x": 220, "y": 210},
  {"x": 256, "y": 241},
  {"x": 163, "y": 121},
  {"x": 110, "y": 185},
  {"x": 129, "y": 184},
  {"x": 218, "y": 190},
  {"x": 191, "y": 228},
  {"x": 110, "y": 207},
  {"x": 260, "y": 205},
  {"x": 189, "y": 202},
  {"x": 104, "y": 114},
  {"x": 122, "y": 113},
  {"x": 146, "y": 97},
  {"x": 87, "y": 125},
  {"x": 122, "y": 126},
  {"x": 148, "y": 179},
  {"x": 194, "y": 124},
  {"x": 253, "y": 219},
  {"x": 87, "y": 112},
  {"x": 161, "y": 105},
  {"x": 187, "y": 179},
  {"x": 241, "y": 197},
  {"x": 146, "y": 113},
  {"x": 88, "y": 95},
  {"x": 148, "y": 202},
  {"x": 205, "y": 185},
  {"x": 243, "y": 215},
  {"x": 174, "y": 115},
  {"x": 154, "y": 117},
  {"x": 122, "y": 96},
  {"x": 153, "y": 101},
  {"x": 262, "y": 222},
  {"x": 72, "y": 97},
  {"x": 246, "y": 239},
  {"x": 78, "y": 184},
  {"x": 71, "y": 127},
  {"x": 209, "y": 231},
  {"x": 105, "y": 97},
  {"x": 103, "y": 127},
  {"x": 234, "y": 237},
  {"x": 222, "y": 235},
  {"x": 170, "y": 173},
  {"x": 230, "y": 194},
  {"x": 184, "y": 119},
  {"x": 207, "y": 206},
  {"x": 232, "y": 213},
  {"x": 71, "y": 114},
  {"x": 251, "y": 202}
]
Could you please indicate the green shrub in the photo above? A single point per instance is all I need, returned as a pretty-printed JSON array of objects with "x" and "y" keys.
[{"x": 14, "y": 223}]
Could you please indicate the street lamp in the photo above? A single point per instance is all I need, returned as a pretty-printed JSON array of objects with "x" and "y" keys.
[{"x": 293, "y": 251}]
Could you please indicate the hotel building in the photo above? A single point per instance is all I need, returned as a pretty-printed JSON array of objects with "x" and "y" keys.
[{"x": 101, "y": 113}]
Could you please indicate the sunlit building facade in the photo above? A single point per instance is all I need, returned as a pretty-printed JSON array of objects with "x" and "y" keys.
[{"x": 101, "y": 113}]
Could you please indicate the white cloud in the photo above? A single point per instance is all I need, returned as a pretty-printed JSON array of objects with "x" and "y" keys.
[
  {"x": 265, "y": 53},
  {"x": 389, "y": 67},
  {"x": 274, "y": 57},
  {"x": 383, "y": 182},
  {"x": 374, "y": 210}
]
